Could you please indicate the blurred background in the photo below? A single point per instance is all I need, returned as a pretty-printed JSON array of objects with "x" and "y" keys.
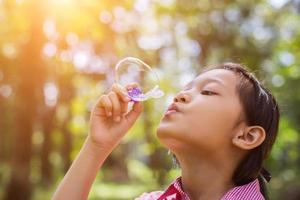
[{"x": 57, "y": 57}]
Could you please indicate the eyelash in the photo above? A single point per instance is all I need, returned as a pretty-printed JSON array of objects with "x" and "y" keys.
[{"x": 204, "y": 91}]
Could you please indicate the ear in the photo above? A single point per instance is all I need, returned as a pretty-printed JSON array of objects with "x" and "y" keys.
[{"x": 249, "y": 138}]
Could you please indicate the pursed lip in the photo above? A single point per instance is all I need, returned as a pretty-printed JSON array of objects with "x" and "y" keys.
[{"x": 174, "y": 107}]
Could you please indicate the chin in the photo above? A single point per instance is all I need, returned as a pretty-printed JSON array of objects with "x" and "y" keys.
[
  {"x": 164, "y": 130},
  {"x": 168, "y": 135}
]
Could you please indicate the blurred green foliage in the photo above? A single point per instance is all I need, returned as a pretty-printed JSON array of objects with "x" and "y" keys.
[{"x": 57, "y": 57}]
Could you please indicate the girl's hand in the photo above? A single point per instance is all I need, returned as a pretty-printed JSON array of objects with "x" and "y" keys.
[{"x": 109, "y": 120}]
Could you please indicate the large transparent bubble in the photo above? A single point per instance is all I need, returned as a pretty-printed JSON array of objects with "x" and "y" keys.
[{"x": 132, "y": 70}]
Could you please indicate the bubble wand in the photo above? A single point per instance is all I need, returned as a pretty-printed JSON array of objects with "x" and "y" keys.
[{"x": 137, "y": 93}]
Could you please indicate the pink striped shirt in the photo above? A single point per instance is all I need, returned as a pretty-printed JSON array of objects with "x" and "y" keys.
[{"x": 250, "y": 191}]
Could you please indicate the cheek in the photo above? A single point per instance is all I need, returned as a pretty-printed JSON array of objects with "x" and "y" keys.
[{"x": 210, "y": 125}]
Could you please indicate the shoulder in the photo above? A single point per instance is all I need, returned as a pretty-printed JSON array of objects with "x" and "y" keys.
[
  {"x": 150, "y": 196},
  {"x": 248, "y": 191}
]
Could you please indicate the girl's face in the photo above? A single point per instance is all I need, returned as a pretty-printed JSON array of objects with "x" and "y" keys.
[{"x": 208, "y": 111}]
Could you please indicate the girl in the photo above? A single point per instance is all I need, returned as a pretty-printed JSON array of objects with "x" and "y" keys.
[{"x": 220, "y": 128}]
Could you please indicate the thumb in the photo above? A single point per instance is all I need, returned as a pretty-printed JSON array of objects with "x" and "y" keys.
[{"x": 134, "y": 113}]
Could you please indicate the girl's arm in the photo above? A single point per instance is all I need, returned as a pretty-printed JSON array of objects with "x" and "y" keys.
[
  {"x": 106, "y": 131},
  {"x": 79, "y": 178}
]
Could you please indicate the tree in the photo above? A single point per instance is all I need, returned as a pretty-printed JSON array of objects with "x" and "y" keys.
[{"x": 29, "y": 88}]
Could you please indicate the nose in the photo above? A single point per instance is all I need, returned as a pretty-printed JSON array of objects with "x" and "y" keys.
[{"x": 182, "y": 97}]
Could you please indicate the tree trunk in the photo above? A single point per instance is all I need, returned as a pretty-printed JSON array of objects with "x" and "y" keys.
[
  {"x": 48, "y": 124},
  {"x": 30, "y": 80},
  {"x": 2, "y": 130}
]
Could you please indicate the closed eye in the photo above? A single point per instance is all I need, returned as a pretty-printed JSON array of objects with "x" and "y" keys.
[{"x": 207, "y": 92}]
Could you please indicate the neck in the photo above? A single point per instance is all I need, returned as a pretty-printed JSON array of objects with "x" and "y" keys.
[{"x": 205, "y": 178}]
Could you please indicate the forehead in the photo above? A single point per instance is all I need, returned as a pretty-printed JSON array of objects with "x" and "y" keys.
[{"x": 226, "y": 78}]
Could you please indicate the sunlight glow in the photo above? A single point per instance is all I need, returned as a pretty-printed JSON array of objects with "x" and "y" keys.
[
  {"x": 286, "y": 58},
  {"x": 9, "y": 50},
  {"x": 105, "y": 17},
  {"x": 50, "y": 94},
  {"x": 72, "y": 39},
  {"x": 64, "y": 2},
  {"x": 5, "y": 90},
  {"x": 278, "y": 80},
  {"x": 81, "y": 59},
  {"x": 49, "y": 49},
  {"x": 277, "y": 3}
]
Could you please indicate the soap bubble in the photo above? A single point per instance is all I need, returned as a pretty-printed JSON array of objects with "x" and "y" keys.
[{"x": 132, "y": 70}]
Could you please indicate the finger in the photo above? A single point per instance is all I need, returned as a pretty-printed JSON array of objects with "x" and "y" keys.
[
  {"x": 106, "y": 104},
  {"x": 116, "y": 106},
  {"x": 125, "y": 99},
  {"x": 124, "y": 107},
  {"x": 121, "y": 92},
  {"x": 134, "y": 113},
  {"x": 132, "y": 85}
]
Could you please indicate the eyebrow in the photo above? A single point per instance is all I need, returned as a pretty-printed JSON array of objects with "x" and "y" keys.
[{"x": 207, "y": 80}]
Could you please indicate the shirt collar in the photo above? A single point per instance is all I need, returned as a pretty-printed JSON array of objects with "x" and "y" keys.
[{"x": 245, "y": 192}]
